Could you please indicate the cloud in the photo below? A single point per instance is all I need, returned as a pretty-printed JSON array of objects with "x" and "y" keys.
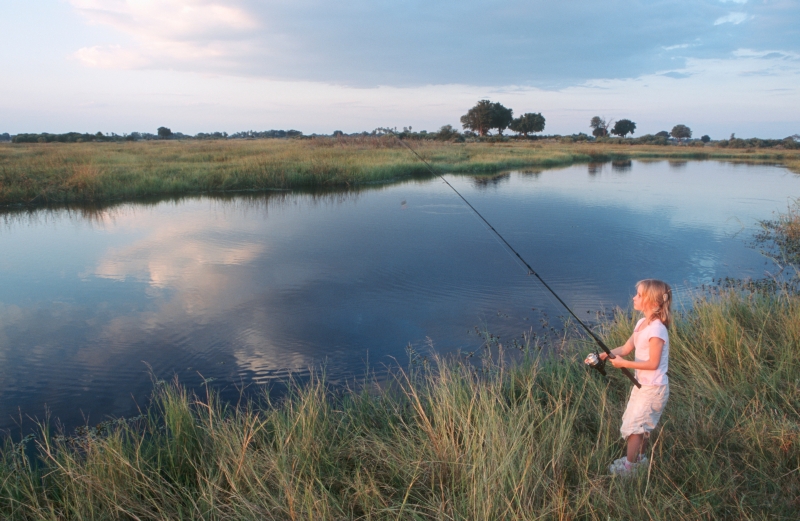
[
  {"x": 365, "y": 43},
  {"x": 168, "y": 33},
  {"x": 732, "y": 18},
  {"x": 169, "y": 19},
  {"x": 767, "y": 54}
]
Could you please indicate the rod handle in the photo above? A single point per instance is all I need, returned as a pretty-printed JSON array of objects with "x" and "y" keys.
[{"x": 626, "y": 372}]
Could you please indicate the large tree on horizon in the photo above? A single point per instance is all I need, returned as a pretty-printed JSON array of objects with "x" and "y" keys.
[
  {"x": 599, "y": 126},
  {"x": 681, "y": 132},
  {"x": 623, "y": 127},
  {"x": 485, "y": 116},
  {"x": 527, "y": 123},
  {"x": 501, "y": 117}
]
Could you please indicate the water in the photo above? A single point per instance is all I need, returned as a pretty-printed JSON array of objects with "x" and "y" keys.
[{"x": 245, "y": 291}]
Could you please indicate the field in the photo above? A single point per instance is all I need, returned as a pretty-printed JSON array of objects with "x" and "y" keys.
[{"x": 55, "y": 173}]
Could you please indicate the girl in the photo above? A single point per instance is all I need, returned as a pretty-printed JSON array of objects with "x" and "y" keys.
[{"x": 651, "y": 344}]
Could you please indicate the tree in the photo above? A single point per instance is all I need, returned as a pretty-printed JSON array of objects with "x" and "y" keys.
[
  {"x": 623, "y": 127},
  {"x": 705, "y": 139},
  {"x": 446, "y": 133},
  {"x": 479, "y": 117},
  {"x": 164, "y": 133},
  {"x": 681, "y": 132},
  {"x": 527, "y": 123},
  {"x": 501, "y": 117},
  {"x": 663, "y": 133},
  {"x": 485, "y": 116},
  {"x": 600, "y": 126}
]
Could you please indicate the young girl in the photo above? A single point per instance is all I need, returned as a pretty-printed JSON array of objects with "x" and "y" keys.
[{"x": 651, "y": 344}]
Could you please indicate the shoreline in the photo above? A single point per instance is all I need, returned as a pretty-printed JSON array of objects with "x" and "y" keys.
[{"x": 38, "y": 175}]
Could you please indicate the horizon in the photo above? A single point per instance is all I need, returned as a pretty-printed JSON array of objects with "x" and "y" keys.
[{"x": 717, "y": 66}]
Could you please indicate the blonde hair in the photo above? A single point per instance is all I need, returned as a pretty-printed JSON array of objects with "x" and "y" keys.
[{"x": 658, "y": 295}]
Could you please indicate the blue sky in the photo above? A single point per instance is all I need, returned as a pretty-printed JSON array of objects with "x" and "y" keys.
[{"x": 204, "y": 65}]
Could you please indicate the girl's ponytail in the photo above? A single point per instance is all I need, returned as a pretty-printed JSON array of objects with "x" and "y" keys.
[{"x": 658, "y": 295}]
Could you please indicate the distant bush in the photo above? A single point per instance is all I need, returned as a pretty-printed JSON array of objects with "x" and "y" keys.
[
  {"x": 211, "y": 135},
  {"x": 581, "y": 138},
  {"x": 615, "y": 141},
  {"x": 650, "y": 139},
  {"x": 448, "y": 133},
  {"x": 788, "y": 143},
  {"x": 5, "y": 137},
  {"x": 69, "y": 137}
]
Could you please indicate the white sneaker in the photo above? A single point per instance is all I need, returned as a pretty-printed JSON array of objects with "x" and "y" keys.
[{"x": 623, "y": 467}]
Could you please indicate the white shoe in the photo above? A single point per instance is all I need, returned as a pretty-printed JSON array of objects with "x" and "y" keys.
[{"x": 623, "y": 467}]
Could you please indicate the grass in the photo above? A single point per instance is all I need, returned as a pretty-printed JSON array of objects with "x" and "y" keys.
[
  {"x": 33, "y": 174},
  {"x": 449, "y": 440}
]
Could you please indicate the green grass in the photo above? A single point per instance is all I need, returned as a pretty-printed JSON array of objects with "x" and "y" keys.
[
  {"x": 449, "y": 440},
  {"x": 104, "y": 172}
]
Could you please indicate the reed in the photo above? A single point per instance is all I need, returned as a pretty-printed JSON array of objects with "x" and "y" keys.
[
  {"x": 525, "y": 440},
  {"x": 103, "y": 172}
]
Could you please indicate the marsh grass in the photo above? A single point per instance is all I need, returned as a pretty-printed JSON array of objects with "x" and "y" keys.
[
  {"x": 451, "y": 440},
  {"x": 101, "y": 172}
]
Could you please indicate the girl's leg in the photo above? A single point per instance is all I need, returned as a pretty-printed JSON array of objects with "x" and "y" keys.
[{"x": 636, "y": 447}]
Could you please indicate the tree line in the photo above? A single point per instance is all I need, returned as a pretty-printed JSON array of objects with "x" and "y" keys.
[
  {"x": 162, "y": 133},
  {"x": 486, "y": 116},
  {"x": 623, "y": 127}
]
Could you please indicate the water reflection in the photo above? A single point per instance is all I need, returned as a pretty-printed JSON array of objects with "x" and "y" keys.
[
  {"x": 594, "y": 168},
  {"x": 249, "y": 289},
  {"x": 621, "y": 167},
  {"x": 485, "y": 182}
]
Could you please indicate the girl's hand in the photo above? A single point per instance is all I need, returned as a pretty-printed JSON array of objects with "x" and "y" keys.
[
  {"x": 603, "y": 355},
  {"x": 619, "y": 362}
]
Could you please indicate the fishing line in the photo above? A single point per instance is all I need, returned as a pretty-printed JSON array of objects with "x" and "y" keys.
[{"x": 531, "y": 271}]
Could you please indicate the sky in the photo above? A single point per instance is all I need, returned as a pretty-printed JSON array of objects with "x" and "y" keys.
[{"x": 718, "y": 66}]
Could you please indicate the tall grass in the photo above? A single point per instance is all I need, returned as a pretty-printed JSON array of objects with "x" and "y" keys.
[
  {"x": 450, "y": 440},
  {"x": 99, "y": 172}
]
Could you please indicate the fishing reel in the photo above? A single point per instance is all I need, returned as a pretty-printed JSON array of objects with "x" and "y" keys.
[{"x": 593, "y": 360}]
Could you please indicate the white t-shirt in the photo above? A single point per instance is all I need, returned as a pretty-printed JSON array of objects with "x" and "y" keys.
[{"x": 641, "y": 341}]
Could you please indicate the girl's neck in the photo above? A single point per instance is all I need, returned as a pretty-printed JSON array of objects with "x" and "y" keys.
[{"x": 649, "y": 316}]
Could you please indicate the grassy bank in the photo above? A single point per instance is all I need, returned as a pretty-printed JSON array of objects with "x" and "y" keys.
[
  {"x": 528, "y": 441},
  {"x": 104, "y": 172}
]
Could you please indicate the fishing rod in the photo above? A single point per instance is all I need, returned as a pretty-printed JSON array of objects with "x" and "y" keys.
[{"x": 593, "y": 360}]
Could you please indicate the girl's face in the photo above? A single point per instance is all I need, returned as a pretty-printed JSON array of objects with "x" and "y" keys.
[{"x": 638, "y": 300}]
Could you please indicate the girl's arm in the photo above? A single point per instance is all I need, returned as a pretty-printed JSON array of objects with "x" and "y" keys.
[
  {"x": 656, "y": 346},
  {"x": 622, "y": 350}
]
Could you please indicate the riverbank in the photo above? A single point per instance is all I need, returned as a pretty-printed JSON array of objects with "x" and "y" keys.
[
  {"x": 449, "y": 440},
  {"x": 56, "y": 173}
]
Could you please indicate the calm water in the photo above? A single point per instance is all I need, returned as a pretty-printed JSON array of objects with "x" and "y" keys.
[{"x": 248, "y": 290}]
